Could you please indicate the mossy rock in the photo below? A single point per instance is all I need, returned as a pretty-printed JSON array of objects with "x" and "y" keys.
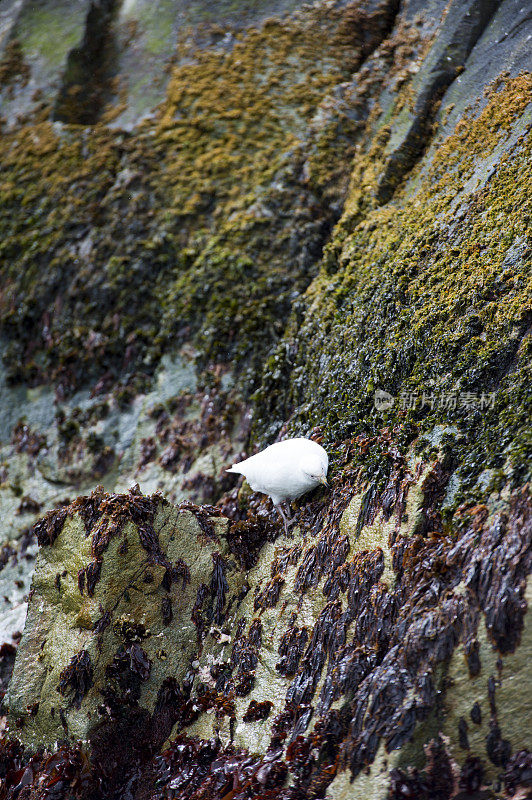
[{"x": 104, "y": 633}]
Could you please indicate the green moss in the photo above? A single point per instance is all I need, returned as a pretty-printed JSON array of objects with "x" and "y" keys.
[
  {"x": 414, "y": 298},
  {"x": 115, "y": 247},
  {"x": 37, "y": 29}
]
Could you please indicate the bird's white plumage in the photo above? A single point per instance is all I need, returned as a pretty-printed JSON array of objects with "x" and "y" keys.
[{"x": 285, "y": 470}]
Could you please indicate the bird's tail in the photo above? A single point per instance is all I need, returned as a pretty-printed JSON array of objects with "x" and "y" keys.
[{"x": 234, "y": 468}]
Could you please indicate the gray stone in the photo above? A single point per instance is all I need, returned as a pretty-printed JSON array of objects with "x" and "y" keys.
[
  {"x": 47, "y": 32},
  {"x": 462, "y": 25}
]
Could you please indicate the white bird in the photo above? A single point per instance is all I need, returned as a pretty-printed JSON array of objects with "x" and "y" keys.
[{"x": 285, "y": 470}]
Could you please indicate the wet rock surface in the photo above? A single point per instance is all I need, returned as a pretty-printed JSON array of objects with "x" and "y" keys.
[
  {"x": 110, "y": 578},
  {"x": 317, "y": 681},
  {"x": 223, "y": 225}
]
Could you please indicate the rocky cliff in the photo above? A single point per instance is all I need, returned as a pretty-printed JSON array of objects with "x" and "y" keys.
[{"x": 222, "y": 225}]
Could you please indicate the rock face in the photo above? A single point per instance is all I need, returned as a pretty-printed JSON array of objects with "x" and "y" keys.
[
  {"x": 110, "y": 579},
  {"x": 285, "y": 220},
  {"x": 85, "y": 59},
  {"x": 313, "y": 656}
]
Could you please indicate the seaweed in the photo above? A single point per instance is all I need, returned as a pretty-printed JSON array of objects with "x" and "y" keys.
[
  {"x": 166, "y": 610},
  {"x": 471, "y": 775},
  {"x": 196, "y": 615},
  {"x": 257, "y": 711},
  {"x": 25, "y": 440},
  {"x": 129, "y": 668},
  {"x": 102, "y": 623},
  {"x": 77, "y": 677},
  {"x": 518, "y": 772},
  {"x": 476, "y": 713},
  {"x": 28, "y": 505},
  {"x": 435, "y": 782},
  {"x": 92, "y": 573},
  {"x": 462, "y": 734},
  {"x": 218, "y": 587},
  {"x": 244, "y": 656},
  {"x": 498, "y": 749},
  {"x": 68, "y": 769},
  {"x": 50, "y": 526},
  {"x": 7, "y": 661},
  {"x": 203, "y": 516},
  {"x": 291, "y": 647},
  {"x": 245, "y": 538},
  {"x": 268, "y": 597}
]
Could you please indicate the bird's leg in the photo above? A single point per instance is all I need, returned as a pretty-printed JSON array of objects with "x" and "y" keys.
[{"x": 285, "y": 518}]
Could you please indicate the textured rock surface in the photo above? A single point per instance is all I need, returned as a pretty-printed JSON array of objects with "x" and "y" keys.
[
  {"x": 110, "y": 579},
  {"x": 324, "y": 205},
  {"x": 348, "y": 647},
  {"x": 34, "y": 56}
]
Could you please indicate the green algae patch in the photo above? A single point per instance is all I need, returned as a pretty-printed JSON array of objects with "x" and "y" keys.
[{"x": 38, "y": 30}]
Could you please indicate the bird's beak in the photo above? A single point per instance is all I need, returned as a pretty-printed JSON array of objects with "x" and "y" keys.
[{"x": 323, "y": 480}]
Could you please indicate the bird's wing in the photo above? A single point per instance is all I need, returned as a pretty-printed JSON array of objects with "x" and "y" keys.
[
  {"x": 241, "y": 467},
  {"x": 276, "y": 463},
  {"x": 247, "y": 466},
  {"x": 272, "y": 474}
]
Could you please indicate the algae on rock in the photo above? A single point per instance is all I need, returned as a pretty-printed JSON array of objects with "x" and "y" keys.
[
  {"x": 98, "y": 643},
  {"x": 311, "y": 216}
]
